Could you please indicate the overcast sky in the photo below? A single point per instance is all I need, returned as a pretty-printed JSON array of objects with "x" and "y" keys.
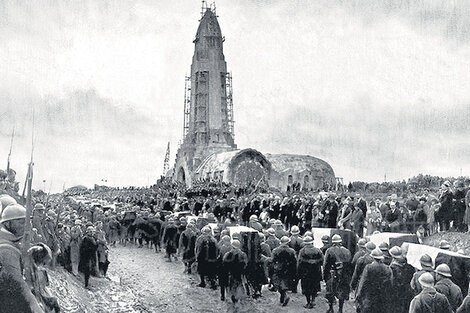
[{"x": 373, "y": 87}]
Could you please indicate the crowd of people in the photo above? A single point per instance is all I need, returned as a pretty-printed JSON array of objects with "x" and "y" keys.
[{"x": 201, "y": 226}]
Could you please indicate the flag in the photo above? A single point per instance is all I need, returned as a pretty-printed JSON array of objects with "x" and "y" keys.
[
  {"x": 459, "y": 264},
  {"x": 393, "y": 239}
]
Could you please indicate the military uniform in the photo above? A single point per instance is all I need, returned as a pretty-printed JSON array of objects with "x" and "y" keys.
[
  {"x": 337, "y": 274},
  {"x": 373, "y": 292},
  {"x": 283, "y": 269},
  {"x": 430, "y": 301},
  {"x": 451, "y": 291},
  {"x": 309, "y": 271},
  {"x": 359, "y": 269},
  {"x": 415, "y": 285},
  {"x": 235, "y": 262},
  {"x": 401, "y": 294}
]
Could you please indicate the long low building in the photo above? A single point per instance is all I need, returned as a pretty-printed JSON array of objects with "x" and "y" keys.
[{"x": 281, "y": 171}]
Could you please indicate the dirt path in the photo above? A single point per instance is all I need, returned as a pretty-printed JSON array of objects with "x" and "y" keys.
[{"x": 160, "y": 286}]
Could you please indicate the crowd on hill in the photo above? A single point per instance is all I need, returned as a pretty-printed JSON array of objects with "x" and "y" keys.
[{"x": 76, "y": 228}]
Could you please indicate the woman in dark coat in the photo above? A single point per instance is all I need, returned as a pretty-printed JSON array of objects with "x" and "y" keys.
[{"x": 309, "y": 271}]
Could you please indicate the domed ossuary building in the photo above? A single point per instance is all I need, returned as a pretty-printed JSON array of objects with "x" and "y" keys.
[{"x": 208, "y": 150}]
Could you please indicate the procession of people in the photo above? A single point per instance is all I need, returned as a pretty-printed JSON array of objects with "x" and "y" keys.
[{"x": 276, "y": 248}]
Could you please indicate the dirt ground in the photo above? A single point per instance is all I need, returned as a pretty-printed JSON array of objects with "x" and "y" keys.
[
  {"x": 161, "y": 286},
  {"x": 140, "y": 280}
]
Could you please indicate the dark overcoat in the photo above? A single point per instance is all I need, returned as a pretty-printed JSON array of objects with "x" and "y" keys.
[
  {"x": 337, "y": 272},
  {"x": 309, "y": 269},
  {"x": 284, "y": 267},
  {"x": 207, "y": 254},
  {"x": 373, "y": 292},
  {"x": 401, "y": 294}
]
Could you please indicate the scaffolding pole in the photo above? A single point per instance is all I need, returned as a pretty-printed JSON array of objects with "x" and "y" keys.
[
  {"x": 187, "y": 105},
  {"x": 229, "y": 99}
]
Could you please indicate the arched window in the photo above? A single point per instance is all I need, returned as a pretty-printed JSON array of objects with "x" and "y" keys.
[
  {"x": 290, "y": 180},
  {"x": 306, "y": 181}
]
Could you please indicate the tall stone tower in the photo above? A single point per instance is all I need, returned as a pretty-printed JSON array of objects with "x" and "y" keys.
[{"x": 208, "y": 111}]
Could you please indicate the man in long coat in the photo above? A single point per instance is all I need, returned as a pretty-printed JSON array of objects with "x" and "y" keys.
[
  {"x": 296, "y": 244},
  {"x": 283, "y": 269},
  {"x": 88, "y": 248},
  {"x": 235, "y": 262},
  {"x": 75, "y": 241},
  {"x": 309, "y": 271},
  {"x": 224, "y": 247},
  {"x": 373, "y": 292},
  {"x": 337, "y": 273},
  {"x": 170, "y": 239},
  {"x": 361, "y": 264},
  {"x": 207, "y": 256},
  {"x": 187, "y": 245},
  {"x": 360, "y": 252},
  {"x": 401, "y": 294}
]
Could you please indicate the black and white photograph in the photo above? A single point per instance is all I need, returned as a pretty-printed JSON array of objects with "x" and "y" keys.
[{"x": 239, "y": 156}]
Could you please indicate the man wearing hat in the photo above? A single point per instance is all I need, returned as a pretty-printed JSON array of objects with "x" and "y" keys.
[
  {"x": 224, "y": 246},
  {"x": 426, "y": 267},
  {"x": 170, "y": 239},
  {"x": 373, "y": 292},
  {"x": 445, "y": 286},
  {"x": 387, "y": 257},
  {"x": 279, "y": 229},
  {"x": 234, "y": 263},
  {"x": 458, "y": 206},
  {"x": 37, "y": 219},
  {"x": 206, "y": 256},
  {"x": 254, "y": 223},
  {"x": 429, "y": 300},
  {"x": 271, "y": 240},
  {"x": 15, "y": 295},
  {"x": 309, "y": 271},
  {"x": 401, "y": 294},
  {"x": 88, "y": 250},
  {"x": 444, "y": 215},
  {"x": 444, "y": 245},
  {"x": 337, "y": 273},
  {"x": 75, "y": 241},
  {"x": 187, "y": 245},
  {"x": 360, "y": 252},
  {"x": 325, "y": 239},
  {"x": 284, "y": 265},
  {"x": 361, "y": 264},
  {"x": 295, "y": 239}
]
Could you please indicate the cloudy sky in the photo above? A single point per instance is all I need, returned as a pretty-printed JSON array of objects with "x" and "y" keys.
[{"x": 374, "y": 87}]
